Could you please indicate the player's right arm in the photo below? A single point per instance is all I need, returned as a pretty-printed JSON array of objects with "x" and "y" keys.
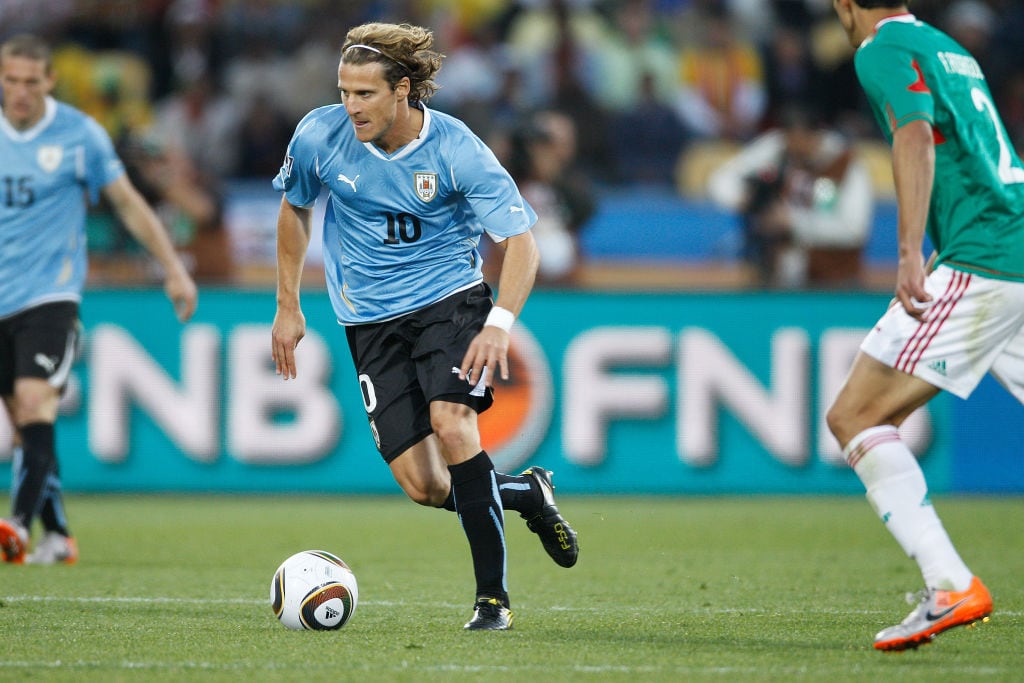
[{"x": 293, "y": 231}]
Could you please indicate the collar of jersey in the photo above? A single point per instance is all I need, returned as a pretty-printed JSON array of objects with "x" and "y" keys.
[
  {"x": 906, "y": 18},
  {"x": 408, "y": 148},
  {"x": 25, "y": 135}
]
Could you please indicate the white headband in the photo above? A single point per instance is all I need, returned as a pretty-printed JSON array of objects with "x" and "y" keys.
[{"x": 371, "y": 48}]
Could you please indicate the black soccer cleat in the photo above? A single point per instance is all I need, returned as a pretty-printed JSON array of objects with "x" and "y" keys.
[
  {"x": 489, "y": 615},
  {"x": 557, "y": 537}
]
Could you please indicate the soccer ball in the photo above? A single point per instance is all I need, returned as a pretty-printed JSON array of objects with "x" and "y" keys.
[{"x": 314, "y": 590}]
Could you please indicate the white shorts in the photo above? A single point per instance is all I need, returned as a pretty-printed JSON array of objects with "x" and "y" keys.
[{"x": 974, "y": 325}]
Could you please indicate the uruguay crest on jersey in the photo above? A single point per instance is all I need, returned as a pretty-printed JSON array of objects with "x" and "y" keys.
[
  {"x": 426, "y": 185},
  {"x": 49, "y": 157}
]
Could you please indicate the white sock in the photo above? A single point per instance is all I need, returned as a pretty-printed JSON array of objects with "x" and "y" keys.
[{"x": 897, "y": 491}]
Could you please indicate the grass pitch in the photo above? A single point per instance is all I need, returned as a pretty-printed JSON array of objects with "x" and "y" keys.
[{"x": 666, "y": 589}]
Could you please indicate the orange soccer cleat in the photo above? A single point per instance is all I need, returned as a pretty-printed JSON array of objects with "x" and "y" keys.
[
  {"x": 13, "y": 541},
  {"x": 937, "y": 611}
]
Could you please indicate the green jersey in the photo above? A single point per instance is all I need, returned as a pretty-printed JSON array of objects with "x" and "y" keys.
[{"x": 909, "y": 71}]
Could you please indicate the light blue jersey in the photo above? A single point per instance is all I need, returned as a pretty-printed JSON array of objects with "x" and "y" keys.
[
  {"x": 401, "y": 231},
  {"x": 46, "y": 173}
]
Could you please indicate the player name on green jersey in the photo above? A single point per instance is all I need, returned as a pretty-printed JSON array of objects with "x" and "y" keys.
[{"x": 962, "y": 65}]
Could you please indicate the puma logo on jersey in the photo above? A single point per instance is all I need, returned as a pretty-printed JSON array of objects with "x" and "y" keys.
[
  {"x": 344, "y": 178},
  {"x": 46, "y": 363}
]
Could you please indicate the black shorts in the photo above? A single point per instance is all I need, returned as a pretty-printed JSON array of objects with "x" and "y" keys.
[
  {"x": 42, "y": 342},
  {"x": 405, "y": 363}
]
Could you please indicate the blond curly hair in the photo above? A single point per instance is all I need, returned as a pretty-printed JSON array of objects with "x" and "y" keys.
[{"x": 402, "y": 49}]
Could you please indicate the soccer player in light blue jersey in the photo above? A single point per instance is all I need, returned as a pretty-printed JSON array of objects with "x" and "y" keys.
[
  {"x": 52, "y": 158},
  {"x": 411, "y": 192},
  {"x": 954, "y": 319}
]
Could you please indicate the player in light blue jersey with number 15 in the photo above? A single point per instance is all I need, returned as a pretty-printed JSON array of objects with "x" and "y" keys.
[
  {"x": 410, "y": 194},
  {"x": 52, "y": 158}
]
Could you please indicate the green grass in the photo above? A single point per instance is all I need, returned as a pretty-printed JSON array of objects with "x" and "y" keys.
[{"x": 667, "y": 589}]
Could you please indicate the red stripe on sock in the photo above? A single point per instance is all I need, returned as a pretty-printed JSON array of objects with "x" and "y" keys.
[{"x": 868, "y": 444}]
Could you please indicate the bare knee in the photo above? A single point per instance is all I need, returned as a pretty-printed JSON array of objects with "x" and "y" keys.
[
  {"x": 846, "y": 420},
  {"x": 851, "y": 413},
  {"x": 34, "y": 400},
  {"x": 456, "y": 432},
  {"x": 840, "y": 424},
  {"x": 453, "y": 438}
]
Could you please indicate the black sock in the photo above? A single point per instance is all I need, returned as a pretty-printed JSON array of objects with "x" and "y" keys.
[
  {"x": 52, "y": 513},
  {"x": 518, "y": 492},
  {"x": 476, "y": 500},
  {"x": 37, "y": 461}
]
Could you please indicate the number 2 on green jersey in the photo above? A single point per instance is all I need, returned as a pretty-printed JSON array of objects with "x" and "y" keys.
[{"x": 1008, "y": 173}]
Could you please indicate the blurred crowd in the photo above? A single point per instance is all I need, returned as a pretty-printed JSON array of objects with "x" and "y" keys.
[{"x": 572, "y": 95}]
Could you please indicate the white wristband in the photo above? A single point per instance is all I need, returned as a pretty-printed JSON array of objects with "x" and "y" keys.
[{"x": 501, "y": 318}]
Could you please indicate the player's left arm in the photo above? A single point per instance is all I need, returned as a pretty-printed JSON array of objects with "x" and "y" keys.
[
  {"x": 895, "y": 82},
  {"x": 913, "y": 165},
  {"x": 143, "y": 223},
  {"x": 518, "y": 272}
]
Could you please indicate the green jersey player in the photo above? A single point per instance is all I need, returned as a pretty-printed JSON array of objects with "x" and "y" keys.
[{"x": 953, "y": 319}]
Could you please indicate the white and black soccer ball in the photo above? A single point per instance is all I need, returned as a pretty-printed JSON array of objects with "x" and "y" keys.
[{"x": 314, "y": 590}]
